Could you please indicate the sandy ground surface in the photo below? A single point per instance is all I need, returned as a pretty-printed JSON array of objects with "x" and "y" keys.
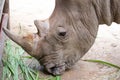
[{"x": 106, "y": 46}]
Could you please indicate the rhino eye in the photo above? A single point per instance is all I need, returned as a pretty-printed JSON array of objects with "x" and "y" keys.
[{"x": 61, "y": 31}]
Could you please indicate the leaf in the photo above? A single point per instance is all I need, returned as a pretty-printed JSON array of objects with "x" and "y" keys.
[
  {"x": 58, "y": 78},
  {"x": 103, "y": 62},
  {"x": 31, "y": 74},
  {"x": 28, "y": 57},
  {"x": 37, "y": 77}
]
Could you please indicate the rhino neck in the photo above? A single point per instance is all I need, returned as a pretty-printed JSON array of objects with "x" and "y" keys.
[
  {"x": 107, "y": 11},
  {"x": 115, "y": 10}
]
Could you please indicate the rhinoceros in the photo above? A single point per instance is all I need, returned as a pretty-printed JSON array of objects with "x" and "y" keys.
[{"x": 73, "y": 27}]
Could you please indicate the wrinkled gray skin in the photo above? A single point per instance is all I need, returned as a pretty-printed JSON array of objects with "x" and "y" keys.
[{"x": 73, "y": 29}]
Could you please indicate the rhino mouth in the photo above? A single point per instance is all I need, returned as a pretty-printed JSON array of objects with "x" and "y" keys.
[
  {"x": 55, "y": 69},
  {"x": 53, "y": 64}
]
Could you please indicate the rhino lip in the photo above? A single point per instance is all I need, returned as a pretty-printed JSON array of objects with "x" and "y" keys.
[{"x": 55, "y": 69}]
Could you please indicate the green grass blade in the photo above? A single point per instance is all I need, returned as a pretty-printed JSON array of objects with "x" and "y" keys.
[
  {"x": 4, "y": 73},
  {"x": 15, "y": 71},
  {"x": 27, "y": 75},
  {"x": 28, "y": 57},
  {"x": 58, "y": 78},
  {"x": 37, "y": 77},
  {"x": 31, "y": 74},
  {"x": 10, "y": 68},
  {"x": 103, "y": 62},
  {"x": 33, "y": 71}
]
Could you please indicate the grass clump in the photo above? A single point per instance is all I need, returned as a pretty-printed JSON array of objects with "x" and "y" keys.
[{"x": 14, "y": 67}]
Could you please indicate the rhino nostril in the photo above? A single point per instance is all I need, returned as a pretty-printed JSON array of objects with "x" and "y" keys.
[
  {"x": 62, "y": 34},
  {"x": 52, "y": 69},
  {"x": 55, "y": 71}
]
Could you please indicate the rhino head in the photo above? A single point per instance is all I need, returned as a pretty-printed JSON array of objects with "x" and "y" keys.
[{"x": 72, "y": 31}]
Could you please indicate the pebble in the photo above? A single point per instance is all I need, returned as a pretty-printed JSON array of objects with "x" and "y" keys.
[{"x": 114, "y": 45}]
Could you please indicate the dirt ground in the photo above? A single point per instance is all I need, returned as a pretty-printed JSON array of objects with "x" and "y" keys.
[{"x": 106, "y": 46}]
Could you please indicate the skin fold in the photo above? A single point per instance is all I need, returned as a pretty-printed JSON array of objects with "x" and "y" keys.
[{"x": 69, "y": 33}]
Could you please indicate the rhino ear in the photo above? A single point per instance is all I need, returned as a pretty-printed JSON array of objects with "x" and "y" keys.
[{"x": 42, "y": 26}]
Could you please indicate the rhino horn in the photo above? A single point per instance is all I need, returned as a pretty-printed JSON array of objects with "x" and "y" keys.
[{"x": 19, "y": 40}]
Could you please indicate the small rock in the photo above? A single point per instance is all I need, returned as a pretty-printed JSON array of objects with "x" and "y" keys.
[
  {"x": 114, "y": 45},
  {"x": 30, "y": 26}
]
